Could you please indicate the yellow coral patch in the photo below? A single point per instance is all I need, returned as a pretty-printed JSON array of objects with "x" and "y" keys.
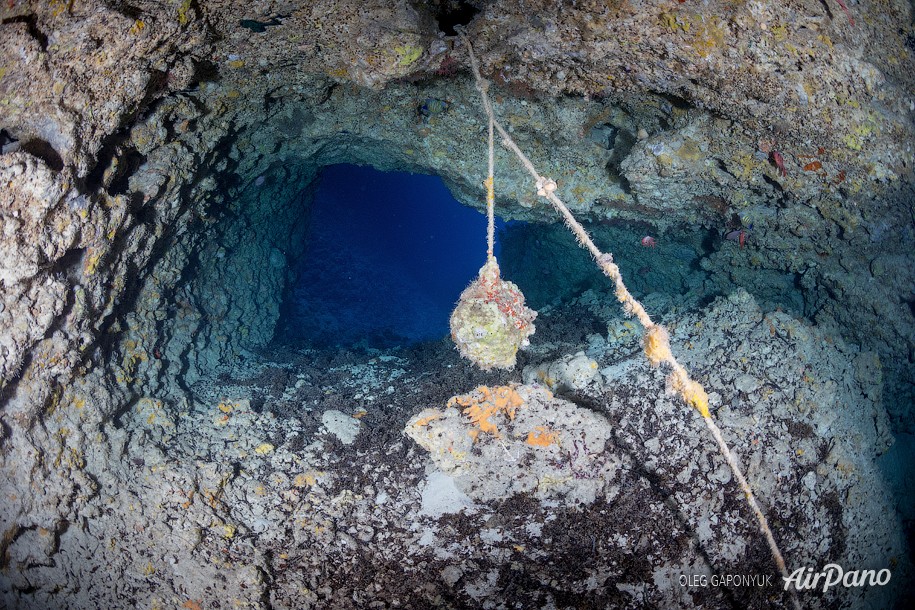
[
  {"x": 307, "y": 479},
  {"x": 184, "y": 12},
  {"x": 91, "y": 261},
  {"x": 657, "y": 345},
  {"x": 546, "y": 379},
  {"x": 691, "y": 391},
  {"x": 695, "y": 395},
  {"x": 407, "y": 54}
]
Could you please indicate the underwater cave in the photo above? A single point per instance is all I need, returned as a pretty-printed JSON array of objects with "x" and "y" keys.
[
  {"x": 385, "y": 256},
  {"x": 257, "y": 348}
]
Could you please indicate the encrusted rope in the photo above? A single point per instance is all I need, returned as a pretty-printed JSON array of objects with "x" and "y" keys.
[
  {"x": 657, "y": 340},
  {"x": 491, "y": 197}
]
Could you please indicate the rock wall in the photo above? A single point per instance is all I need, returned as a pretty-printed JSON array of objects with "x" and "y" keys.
[
  {"x": 140, "y": 247},
  {"x": 136, "y": 116}
]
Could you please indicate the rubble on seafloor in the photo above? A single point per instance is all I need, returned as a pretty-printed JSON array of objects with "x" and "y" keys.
[{"x": 316, "y": 498}]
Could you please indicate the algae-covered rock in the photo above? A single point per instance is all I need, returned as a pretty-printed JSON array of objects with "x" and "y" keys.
[{"x": 491, "y": 322}]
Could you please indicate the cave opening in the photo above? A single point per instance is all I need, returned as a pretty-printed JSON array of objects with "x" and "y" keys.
[
  {"x": 386, "y": 255},
  {"x": 454, "y": 13}
]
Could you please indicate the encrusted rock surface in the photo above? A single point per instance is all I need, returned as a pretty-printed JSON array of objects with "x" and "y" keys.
[
  {"x": 504, "y": 441},
  {"x": 239, "y": 492},
  {"x": 166, "y": 152}
]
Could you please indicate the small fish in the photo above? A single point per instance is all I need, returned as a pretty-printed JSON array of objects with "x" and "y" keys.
[
  {"x": 649, "y": 242},
  {"x": 738, "y": 235},
  {"x": 259, "y": 27},
  {"x": 432, "y": 106},
  {"x": 779, "y": 161}
]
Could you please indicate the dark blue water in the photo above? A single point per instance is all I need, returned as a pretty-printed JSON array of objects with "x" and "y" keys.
[{"x": 386, "y": 258}]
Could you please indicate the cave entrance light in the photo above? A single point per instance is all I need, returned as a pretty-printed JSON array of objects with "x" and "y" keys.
[{"x": 386, "y": 256}]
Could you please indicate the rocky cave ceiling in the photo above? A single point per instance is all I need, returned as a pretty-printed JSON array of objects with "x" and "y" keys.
[{"x": 154, "y": 137}]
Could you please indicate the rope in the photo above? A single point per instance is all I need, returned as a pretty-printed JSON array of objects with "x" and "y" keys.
[
  {"x": 491, "y": 198},
  {"x": 657, "y": 340}
]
